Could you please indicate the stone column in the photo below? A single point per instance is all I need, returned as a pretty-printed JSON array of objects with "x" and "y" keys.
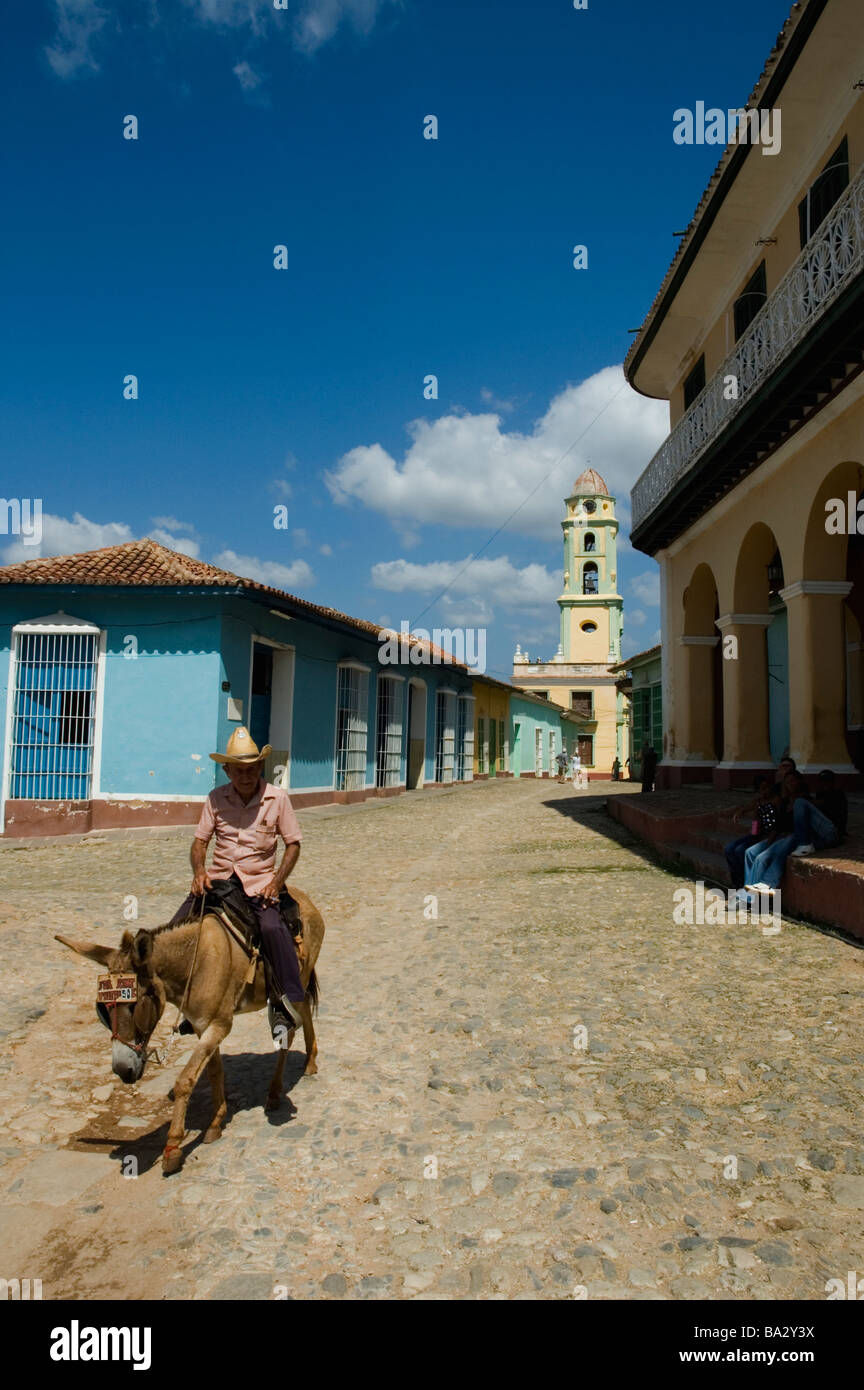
[
  {"x": 817, "y": 673},
  {"x": 745, "y": 690},
  {"x": 696, "y": 718}
]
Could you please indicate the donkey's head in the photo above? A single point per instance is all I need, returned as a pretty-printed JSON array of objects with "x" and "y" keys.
[{"x": 131, "y": 1021}]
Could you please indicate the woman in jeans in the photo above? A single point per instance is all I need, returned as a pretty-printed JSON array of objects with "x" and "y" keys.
[
  {"x": 764, "y": 863},
  {"x": 763, "y": 814}
]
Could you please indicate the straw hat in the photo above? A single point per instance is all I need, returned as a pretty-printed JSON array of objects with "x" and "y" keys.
[{"x": 241, "y": 748}]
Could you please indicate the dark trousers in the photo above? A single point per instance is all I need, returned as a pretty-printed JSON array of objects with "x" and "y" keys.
[
  {"x": 735, "y": 851},
  {"x": 276, "y": 943}
]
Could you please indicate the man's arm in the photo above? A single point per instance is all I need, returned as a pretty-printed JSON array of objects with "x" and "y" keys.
[
  {"x": 198, "y": 858},
  {"x": 277, "y": 882}
]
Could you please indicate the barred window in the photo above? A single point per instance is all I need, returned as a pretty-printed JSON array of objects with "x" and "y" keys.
[
  {"x": 53, "y": 714},
  {"x": 445, "y": 735},
  {"x": 388, "y": 733},
  {"x": 351, "y": 729}
]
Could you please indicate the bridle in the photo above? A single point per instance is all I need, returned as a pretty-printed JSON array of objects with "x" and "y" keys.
[
  {"x": 107, "y": 1012},
  {"x": 107, "y": 1015}
]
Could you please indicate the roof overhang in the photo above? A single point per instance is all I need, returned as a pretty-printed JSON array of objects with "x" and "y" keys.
[{"x": 750, "y": 190}]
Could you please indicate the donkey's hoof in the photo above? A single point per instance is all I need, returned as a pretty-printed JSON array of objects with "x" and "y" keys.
[
  {"x": 172, "y": 1160},
  {"x": 212, "y": 1134},
  {"x": 272, "y": 1103},
  {"x": 310, "y": 1069}
]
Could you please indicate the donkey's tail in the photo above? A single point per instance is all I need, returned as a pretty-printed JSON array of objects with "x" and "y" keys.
[{"x": 312, "y": 991}]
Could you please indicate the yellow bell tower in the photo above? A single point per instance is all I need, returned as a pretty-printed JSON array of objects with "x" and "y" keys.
[
  {"x": 591, "y": 607},
  {"x": 580, "y": 676}
]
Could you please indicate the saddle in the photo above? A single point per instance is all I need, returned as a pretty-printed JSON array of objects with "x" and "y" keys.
[
  {"x": 228, "y": 900},
  {"x": 226, "y": 896}
]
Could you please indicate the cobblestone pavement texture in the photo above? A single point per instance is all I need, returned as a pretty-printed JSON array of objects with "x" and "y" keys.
[{"x": 706, "y": 1143}]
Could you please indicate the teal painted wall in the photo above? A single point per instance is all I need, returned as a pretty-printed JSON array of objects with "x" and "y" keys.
[
  {"x": 165, "y": 710},
  {"x": 525, "y": 718},
  {"x": 159, "y": 707}
]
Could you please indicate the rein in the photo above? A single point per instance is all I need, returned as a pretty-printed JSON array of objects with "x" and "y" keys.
[{"x": 161, "y": 1055}]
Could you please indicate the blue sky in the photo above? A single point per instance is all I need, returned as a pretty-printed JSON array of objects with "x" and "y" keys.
[{"x": 406, "y": 257}]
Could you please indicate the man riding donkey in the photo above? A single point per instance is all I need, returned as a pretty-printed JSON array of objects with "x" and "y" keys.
[
  {"x": 246, "y": 816},
  {"x": 205, "y": 962}
]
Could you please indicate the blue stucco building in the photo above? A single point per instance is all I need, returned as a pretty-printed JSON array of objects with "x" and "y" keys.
[{"x": 126, "y": 667}]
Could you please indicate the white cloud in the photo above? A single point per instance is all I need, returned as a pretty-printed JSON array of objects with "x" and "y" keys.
[
  {"x": 62, "y": 537},
  {"x": 319, "y": 20},
  {"x": 249, "y": 79},
  {"x": 300, "y": 536},
  {"x": 325, "y": 549},
  {"x": 464, "y": 470},
  {"x": 503, "y": 406},
  {"x": 170, "y": 523},
  {"x": 471, "y": 595},
  {"x": 291, "y": 577},
  {"x": 314, "y": 23},
  {"x": 634, "y": 617},
  {"x": 646, "y": 587},
  {"x": 78, "y": 23},
  {"x": 184, "y": 545}
]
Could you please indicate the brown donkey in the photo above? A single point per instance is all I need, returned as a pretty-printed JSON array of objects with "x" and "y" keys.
[{"x": 207, "y": 976}]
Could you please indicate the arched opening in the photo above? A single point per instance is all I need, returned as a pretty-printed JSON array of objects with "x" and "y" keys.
[
  {"x": 590, "y": 543},
  {"x": 826, "y": 614},
  {"x": 759, "y": 674},
  {"x": 705, "y": 736},
  {"x": 590, "y": 580},
  {"x": 854, "y": 624}
]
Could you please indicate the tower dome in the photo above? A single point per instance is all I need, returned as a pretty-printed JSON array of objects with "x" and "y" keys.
[{"x": 588, "y": 482}]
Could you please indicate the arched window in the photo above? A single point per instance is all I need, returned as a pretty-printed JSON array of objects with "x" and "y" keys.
[
  {"x": 590, "y": 543},
  {"x": 589, "y": 578}
]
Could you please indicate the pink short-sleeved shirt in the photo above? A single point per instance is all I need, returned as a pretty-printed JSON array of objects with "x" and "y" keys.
[{"x": 246, "y": 834}]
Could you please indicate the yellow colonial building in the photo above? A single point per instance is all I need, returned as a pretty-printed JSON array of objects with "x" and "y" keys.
[
  {"x": 756, "y": 339},
  {"x": 579, "y": 677}
]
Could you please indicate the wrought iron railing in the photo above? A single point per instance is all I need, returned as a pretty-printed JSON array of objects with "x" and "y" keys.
[{"x": 830, "y": 261}]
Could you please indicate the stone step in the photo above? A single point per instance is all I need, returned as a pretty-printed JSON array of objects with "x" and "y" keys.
[{"x": 710, "y": 864}]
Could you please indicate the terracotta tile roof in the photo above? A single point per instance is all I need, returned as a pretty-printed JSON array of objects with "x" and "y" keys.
[
  {"x": 637, "y": 656},
  {"x": 148, "y": 564},
  {"x": 590, "y": 481},
  {"x": 134, "y": 562},
  {"x": 754, "y": 100}
]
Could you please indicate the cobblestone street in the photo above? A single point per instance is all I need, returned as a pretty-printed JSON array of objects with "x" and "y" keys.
[{"x": 458, "y": 1141}]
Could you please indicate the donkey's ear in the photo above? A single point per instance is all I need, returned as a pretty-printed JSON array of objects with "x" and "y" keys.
[
  {"x": 142, "y": 949},
  {"x": 101, "y": 954}
]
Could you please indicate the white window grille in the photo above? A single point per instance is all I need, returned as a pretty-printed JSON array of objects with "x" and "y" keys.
[
  {"x": 551, "y": 749},
  {"x": 351, "y": 728},
  {"x": 388, "y": 735},
  {"x": 52, "y": 737},
  {"x": 538, "y": 752},
  {"x": 445, "y": 735},
  {"x": 465, "y": 739}
]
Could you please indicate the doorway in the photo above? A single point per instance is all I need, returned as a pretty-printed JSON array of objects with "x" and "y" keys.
[
  {"x": 416, "y": 735},
  {"x": 271, "y": 703}
]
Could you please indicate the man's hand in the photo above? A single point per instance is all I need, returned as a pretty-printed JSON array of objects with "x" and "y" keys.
[
  {"x": 201, "y": 882},
  {"x": 200, "y": 877},
  {"x": 273, "y": 889}
]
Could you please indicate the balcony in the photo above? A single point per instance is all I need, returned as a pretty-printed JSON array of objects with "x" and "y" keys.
[{"x": 809, "y": 297}]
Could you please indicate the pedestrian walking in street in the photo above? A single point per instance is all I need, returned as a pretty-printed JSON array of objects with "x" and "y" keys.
[
  {"x": 561, "y": 760},
  {"x": 576, "y": 770},
  {"x": 649, "y": 767}
]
